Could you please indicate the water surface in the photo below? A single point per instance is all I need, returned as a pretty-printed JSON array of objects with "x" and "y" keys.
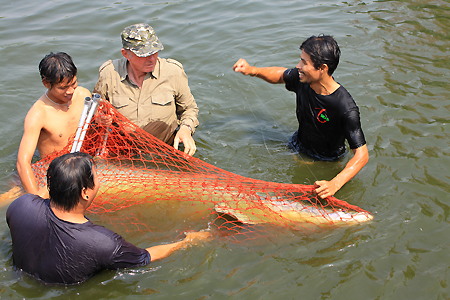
[{"x": 395, "y": 63}]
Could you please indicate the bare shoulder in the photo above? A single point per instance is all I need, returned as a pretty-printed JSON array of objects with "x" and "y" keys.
[
  {"x": 36, "y": 115},
  {"x": 81, "y": 91}
]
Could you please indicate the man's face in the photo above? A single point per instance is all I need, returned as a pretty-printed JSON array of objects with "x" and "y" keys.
[
  {"x": 62, "y": 91},
  {"x": 141, "y": 64},
  {"x": 307, "y": 72}
]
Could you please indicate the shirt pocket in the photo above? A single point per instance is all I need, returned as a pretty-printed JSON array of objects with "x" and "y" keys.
[
  {"x": 163, "y": 106},
  {"x": 120, "y": 101}
]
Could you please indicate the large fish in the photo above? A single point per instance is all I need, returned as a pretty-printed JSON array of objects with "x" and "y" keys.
[
  {"x": 252, "y": 202},
  {"x": 124, "y": 184},
  {"x": 138, "y": 168}
]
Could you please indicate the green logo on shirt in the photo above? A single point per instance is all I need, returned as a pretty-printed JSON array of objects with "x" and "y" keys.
[{"x": 322, "y": 115}]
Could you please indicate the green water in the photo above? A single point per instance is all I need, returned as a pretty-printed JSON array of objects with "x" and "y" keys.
[{"x": 395, "y": 63}]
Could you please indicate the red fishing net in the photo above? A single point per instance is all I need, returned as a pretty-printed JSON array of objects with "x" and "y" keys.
[{"x": 139, "y": 171}]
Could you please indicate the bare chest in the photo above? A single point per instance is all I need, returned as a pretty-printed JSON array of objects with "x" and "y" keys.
[{"x": 57, "y": 130}]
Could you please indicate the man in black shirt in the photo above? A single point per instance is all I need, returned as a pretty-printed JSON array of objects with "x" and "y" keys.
[
  {"x": 326, "y": 113},
  {"x": 55, "y": 242}
]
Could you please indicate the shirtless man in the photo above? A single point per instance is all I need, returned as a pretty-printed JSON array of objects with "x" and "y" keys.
[{"x": 53, "y": 118}]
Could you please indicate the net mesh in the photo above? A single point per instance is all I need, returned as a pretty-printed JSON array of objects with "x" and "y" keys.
[{"x": 136, "y": 169}]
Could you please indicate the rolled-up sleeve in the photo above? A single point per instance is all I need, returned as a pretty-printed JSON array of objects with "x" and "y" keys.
[
  {"x": 186, "y": 106},
  {"x": 101, "y": 87}
]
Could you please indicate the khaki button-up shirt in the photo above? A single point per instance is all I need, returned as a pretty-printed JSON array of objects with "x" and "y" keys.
[{"x": 164, "y": 102}]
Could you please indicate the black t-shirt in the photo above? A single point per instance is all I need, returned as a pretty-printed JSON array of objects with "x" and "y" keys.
[
  {"x": 325, "y": 121},
  {"x": 56, "y": 251}
]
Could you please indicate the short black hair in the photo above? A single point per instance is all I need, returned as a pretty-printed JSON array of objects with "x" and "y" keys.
[
  {"x": 56, "y": 67},
  {"x": 67, "y": 176},
  {"x": 322, "y": 49}
]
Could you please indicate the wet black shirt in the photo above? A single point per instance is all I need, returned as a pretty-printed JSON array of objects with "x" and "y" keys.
[
  {"x": 325, "y": 121},
  {"x": 56, "y": 251}
]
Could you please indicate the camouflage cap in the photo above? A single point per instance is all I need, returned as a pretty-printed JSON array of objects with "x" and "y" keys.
[{"x": 141, "y": 39}]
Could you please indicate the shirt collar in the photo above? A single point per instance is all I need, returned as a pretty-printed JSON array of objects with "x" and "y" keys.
[
  {"x": 122, "y": 69},
  {"x": 157, "y": 71},
  {"x": 123, "y": 72}
]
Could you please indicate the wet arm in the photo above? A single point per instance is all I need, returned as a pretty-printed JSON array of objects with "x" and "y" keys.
[
  {"x": 269, "y": 74},
  {"x": 32, "y": 129},
  {"x": 162, "y": 251},
  {"x": 329, "y": 188}
]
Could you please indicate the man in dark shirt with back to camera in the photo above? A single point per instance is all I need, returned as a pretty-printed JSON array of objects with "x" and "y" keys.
[
  {"x": 53, "y": 240},
  {"x": 326, "y": 113}
]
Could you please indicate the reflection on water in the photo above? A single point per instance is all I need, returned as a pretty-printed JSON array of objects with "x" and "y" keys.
[{"x": 395, "y": 64}]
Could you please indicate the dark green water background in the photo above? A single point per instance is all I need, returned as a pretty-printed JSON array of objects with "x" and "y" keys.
[{"x": 395, "y": 63}]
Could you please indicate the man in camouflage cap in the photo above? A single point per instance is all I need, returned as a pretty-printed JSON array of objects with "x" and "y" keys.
[
  {"x": 141, "y": 39},
  {"x": 152, "y": 92}
]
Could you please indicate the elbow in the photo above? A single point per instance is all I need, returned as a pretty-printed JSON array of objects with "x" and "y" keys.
[
  {"x": 22, "y": 169},
  {"x": 21, "y": 164},
  {"x": 364, "y": 161},
  {"x": 361, "y": 155},
  {"x": 364, "y": 156},
  {"x": 19, "y": 167},
  {"x": 281, "y": 79}
]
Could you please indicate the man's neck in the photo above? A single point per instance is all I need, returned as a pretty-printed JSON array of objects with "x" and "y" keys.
[
  {"x": 75, "y": 215},
  {"x": 136, "y": 77},
  {"x": 325, "y": 86}
]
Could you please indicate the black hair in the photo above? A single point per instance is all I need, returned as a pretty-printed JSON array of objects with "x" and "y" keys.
[
  {"x": 67, "y": 176},
  {"x": 55, "y": 67},
  {"x": 322, "y": 49}
]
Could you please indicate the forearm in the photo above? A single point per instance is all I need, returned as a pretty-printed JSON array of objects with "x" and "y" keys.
[
  {"x": 328, "y": 188},
  {"x": 358, "y": 161},
  {"x": 162, "y": 251},
  {"x": 32, "y": 129},
  {"x": 186, "y": 107},
  {"x": 101, "y": 88},
  {"x": 269, "y": 74},
  {"x": 27, "y": 177},
  {"x": 189, "y": 116}
]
